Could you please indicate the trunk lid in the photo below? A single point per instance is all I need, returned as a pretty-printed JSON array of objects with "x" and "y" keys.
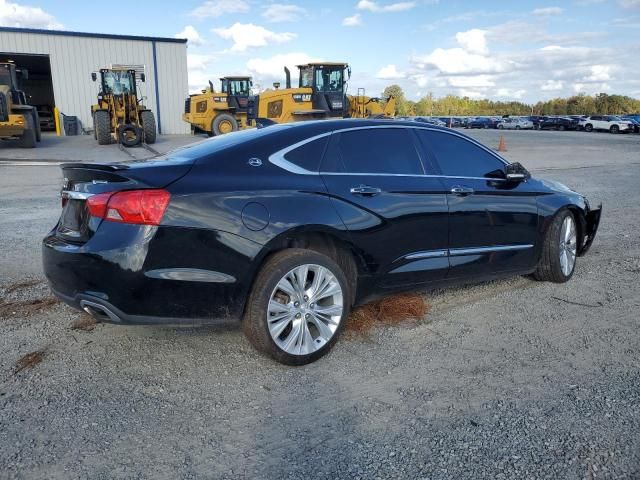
[{"x": 82, "y": 180}]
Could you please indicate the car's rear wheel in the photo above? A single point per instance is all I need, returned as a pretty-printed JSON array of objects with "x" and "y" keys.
[
  {"x": 562, "y": 128},
  {"x": 500, "y": 126},
  {"x": 559, "y": 251},
  {"x": 517, "y": 127},
  {"x": 614, "y": 129},
  {"x": 298, "y": 306},
  {"x": 588, "y": 127}
]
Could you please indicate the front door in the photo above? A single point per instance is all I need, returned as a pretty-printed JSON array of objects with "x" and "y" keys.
[
  {"x": 492, "y": 223},
  {"x": 397, "y": 215}
]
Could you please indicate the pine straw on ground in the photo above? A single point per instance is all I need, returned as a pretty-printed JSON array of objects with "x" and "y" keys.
[
  {"x": 85, "y": 322},
  {"x": 29, "y": 360},
  {"x": 21, "y": 285},
  {"x": 391, "y": 310},
  {"x": 27, "y": 307}
]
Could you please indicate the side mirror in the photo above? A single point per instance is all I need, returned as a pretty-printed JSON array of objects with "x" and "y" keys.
[
  {"x": 143, "y": 77},
  {"x": 515, "y": 172},
  {"x": 276, "y": 85},
  {"x": 94, "y": 76}
]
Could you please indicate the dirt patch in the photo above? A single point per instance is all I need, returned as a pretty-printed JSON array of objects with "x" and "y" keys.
[
  {"x": 387, "y": 311},
  {"x": 85, "y": 322},
  {"x": 27, "y": 307},
  {"x": 29, "y": 360}
]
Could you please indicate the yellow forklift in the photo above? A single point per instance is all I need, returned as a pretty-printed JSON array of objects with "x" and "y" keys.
[{"x": 18, "y": 119}]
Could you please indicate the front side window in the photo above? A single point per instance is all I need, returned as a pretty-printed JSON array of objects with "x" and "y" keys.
[
  {"x": 458, "y": 157},
  {"x": 329, "y": 79},
  {"x": 373, "y": 151},
  {"x": 306, "y": 77}
]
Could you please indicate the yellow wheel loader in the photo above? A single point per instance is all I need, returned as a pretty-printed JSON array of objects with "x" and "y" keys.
[
  {"x": 222, "y": 112},
  {"x": 119, "y": 114},
  {"x": 320, "y": 94},
  {"x": 18, "y": 120},
  {"x": 361, "y": 106}
]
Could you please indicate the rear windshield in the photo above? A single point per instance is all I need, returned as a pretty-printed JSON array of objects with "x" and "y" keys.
[{"x": 192, "y": 152}]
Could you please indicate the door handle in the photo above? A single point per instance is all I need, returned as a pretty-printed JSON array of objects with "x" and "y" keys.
[
  {"x": 462, "y": 190},
  {"x": 365, "y": 190}
]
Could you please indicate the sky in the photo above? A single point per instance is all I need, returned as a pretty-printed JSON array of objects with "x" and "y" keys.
[{"x": 502, "y": 50}]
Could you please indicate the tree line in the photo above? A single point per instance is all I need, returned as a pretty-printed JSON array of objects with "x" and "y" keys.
[{"x": 582, "y": 104}]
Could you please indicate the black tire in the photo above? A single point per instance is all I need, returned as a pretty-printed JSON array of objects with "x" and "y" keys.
[
  {"x": 36, "y": 122},
  {"x": 562, "y": 128},
  {"x": 614, "y": 129},
  {"x": 549, "y": 268},
  {"x": 254, "y": 323},
  {"x": 148, "y": 126},
  {"x": 588, "y": 127},
  {"x": 222, "y": 119},
  {"x": 500, "y": 127},
  {"x": 28, "y": 138},
  {"x": 102, "y": 127},
  {"x": 129, "y": 140},
  {"x": 517, "y": 127}
]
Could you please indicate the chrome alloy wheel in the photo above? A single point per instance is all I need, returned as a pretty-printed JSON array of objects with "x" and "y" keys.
[
  {"x": 305, "y": 309},
  {"x": 568, "y": 245}
]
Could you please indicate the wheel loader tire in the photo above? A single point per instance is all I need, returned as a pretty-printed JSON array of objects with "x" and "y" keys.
[
  {"x": 36, "y": 122},
  {"x": 102, "y": 127},
  {"x": 28, "y": 138},
  {"x": 148, "y": 126},
  {"x": 224, "y": 123}
]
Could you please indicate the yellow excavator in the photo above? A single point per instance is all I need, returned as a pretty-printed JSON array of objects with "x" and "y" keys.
[
  {"x": 18, "y": 119},
  {"x": 361, "y": 106},
  {"x": 119, "y": 114}
]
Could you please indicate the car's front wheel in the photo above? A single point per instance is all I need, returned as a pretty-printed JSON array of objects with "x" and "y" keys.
[
  {"x": 614, "y": 129},
  {"x": 298, "y": 306},
  {"x": 558, "y": 259}
]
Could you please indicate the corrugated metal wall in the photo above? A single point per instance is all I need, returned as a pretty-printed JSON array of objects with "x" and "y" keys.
[{"x": 73, "y": 58}]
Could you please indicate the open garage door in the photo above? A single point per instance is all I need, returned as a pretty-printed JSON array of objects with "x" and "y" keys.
[{"x": 38, "y": 87}]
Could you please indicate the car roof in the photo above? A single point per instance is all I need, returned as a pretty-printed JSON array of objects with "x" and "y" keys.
[{"x": 318, "y": 127}]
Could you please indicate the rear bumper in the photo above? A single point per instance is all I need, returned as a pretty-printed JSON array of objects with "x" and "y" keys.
[{"x": 153, "y": 275}]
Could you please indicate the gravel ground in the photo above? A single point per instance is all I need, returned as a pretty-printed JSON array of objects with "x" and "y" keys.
[{"x": 509, "y": 379}]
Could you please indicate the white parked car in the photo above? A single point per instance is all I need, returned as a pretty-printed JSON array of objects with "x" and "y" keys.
[
  {"x": 515, "y": 124},
  {"x": 605, "y": 122}
]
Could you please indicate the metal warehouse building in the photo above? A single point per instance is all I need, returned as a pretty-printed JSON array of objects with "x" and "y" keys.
[{"x": 60, "y": 65}]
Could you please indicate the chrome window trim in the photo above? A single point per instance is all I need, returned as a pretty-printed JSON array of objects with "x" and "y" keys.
[{"x": 278, "y": 158}]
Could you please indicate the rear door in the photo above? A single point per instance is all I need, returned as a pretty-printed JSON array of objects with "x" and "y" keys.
[
  {"x": 492, "y": 223},
  {"x": 395, "y": 214}
]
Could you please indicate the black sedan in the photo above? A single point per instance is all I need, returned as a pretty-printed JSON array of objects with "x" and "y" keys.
[
  {"x": 287, "y": 227},
  {"x": 482, "y": 123}
]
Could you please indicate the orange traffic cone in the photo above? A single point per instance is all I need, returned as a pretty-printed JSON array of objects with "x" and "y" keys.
[{"x": 501, "y": 145}]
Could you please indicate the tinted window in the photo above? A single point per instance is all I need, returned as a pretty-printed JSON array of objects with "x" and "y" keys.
[
  {"x": 459, "y": 157},
  {"x": 308, "y": 156},
  {"x": 374, "y": 150}
]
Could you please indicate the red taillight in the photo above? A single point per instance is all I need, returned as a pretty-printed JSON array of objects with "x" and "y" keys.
[{"x": 143, "y": 207}]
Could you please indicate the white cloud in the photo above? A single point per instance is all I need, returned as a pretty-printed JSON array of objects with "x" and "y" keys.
[
  {"x": 591, "y": 88},
  {"x": 389, "y": 73},
  {"x": 456, "y": 61},
  {"x": 267, "y": 70},
  {"x": 217, "y": 8},
  {"x": 248, "y": 35},
  {"x": 551, "y": 85},
  {"x": 473, "y": 41},
  {"x": 377, "y": 8},
  {"x": 548, "y": 11},
  {"x": 352, "y": 21},
  {"x": 599, "y": 73},
  {"x": 280, "y": 12},
  {"x": 16, "y": 15},
  {"x": 191, "y": 34},
  {"x": 471, "y": 81},
  {"x": 471, "y": 93},
  {"x": 509, "y": 93},
  {"x": 198, "y": 70}
]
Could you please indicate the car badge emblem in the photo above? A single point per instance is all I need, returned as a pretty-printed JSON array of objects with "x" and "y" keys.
[{"x": 255, "y": 162}]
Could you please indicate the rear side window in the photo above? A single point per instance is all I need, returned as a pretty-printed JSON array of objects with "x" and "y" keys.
[
  {"x": 309, "y": 155},
  {"x": 373, "y": 150},
  {"x": 458, "y": 157}
]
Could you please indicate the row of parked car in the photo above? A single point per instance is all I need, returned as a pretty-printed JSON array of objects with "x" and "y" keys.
[{"x": 610, "y": 123}]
